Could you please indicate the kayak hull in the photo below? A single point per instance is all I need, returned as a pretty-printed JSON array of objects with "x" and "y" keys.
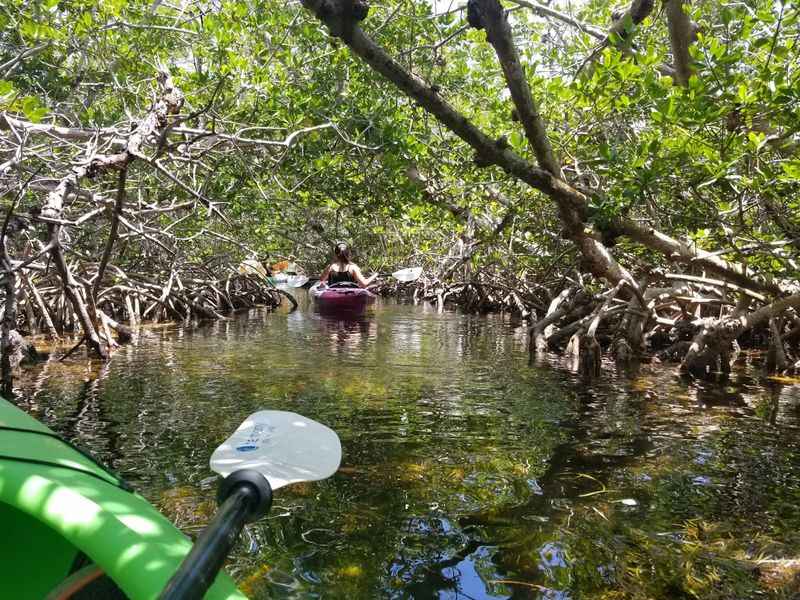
[
  {"x": 63, "y": 511},
  {"x": 336, "y": 299}
]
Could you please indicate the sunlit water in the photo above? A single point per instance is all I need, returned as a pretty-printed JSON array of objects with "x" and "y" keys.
[{"x": 466, "y": 472}]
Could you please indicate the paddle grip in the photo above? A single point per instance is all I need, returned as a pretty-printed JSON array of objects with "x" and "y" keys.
[{"x": 245, "y": 496}]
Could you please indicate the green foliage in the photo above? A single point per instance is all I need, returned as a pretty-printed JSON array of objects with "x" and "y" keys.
[{"x": 685, "y": 159}]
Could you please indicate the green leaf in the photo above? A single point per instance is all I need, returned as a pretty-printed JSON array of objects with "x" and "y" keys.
[
  {"x": 6, "y": 89},
  {"x": 33, "y": 109},
  {"x": 742, "y": 94},
  {"x": 756, "y": 139},
  {"x": 792, "y": 170}
]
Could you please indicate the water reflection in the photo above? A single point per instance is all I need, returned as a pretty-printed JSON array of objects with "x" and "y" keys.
[
  {"x": 467, "y": 472},
  {"x": 346, "y": 333}
]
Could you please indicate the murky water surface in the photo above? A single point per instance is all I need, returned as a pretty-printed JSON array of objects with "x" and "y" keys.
[{"x": 467, "y": 472}]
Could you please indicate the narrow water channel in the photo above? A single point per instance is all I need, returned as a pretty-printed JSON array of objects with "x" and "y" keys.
[{"x": 466, "y": 473}]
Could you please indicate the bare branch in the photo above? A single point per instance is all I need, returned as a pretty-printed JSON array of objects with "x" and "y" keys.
[
  {"x": 546, "y": 11},
  {"x": 681, "y": 252},
  {"x": 128, "y": 25},
  {"x": 7, "y": 67},
  {"x": 620, "y": 34},
  {"x": 112, "y": 234},
  {"x": 498, "y": 34}
]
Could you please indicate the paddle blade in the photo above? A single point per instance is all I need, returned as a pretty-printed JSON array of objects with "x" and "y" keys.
[
  {"x": 297, "y": 281},
  {"x": 283, "y": 446},
  {"x": 252, "y": 267},
  {"x": 408, "y": 275},
  {"x": 282, "y": 280}
]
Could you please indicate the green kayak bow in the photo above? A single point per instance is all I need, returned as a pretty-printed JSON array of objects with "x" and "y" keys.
[
  {"x": 70, "y": 526},
  {"x": 60, "y": 511}
]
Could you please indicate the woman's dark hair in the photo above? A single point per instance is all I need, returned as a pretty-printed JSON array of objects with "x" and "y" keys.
[{"x": 342, "y": 253}]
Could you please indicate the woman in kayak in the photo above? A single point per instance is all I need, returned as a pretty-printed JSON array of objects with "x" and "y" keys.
[{"x": 343, "y": 270}]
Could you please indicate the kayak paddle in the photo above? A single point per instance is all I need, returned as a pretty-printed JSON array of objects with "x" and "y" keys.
[
  {"x": 291, "y": 281},
  {"x": 269, "y": 450},
  {"x": 296, "y": 281},
  {"x": 283, "y": 446},
  {"x": 407, "y": 275}
]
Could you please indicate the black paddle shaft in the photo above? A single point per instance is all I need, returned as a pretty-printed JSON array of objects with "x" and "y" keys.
[{"x": 244, "y": 496}]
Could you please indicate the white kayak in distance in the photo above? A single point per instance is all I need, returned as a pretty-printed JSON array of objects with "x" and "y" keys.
[{"x": 280, "y": 279}]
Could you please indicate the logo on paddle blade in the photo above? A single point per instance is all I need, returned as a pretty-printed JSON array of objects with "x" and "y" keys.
[{"x": 260, "y": 433}]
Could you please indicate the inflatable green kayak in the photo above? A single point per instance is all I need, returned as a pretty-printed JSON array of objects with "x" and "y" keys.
[{"x": 71, "y": 529}]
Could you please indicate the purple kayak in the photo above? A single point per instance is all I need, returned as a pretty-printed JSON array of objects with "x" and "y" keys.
[{"x": 341, "y": 297}]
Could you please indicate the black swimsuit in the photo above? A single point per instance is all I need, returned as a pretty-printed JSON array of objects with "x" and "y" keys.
[{"x": 340, "y": 277}]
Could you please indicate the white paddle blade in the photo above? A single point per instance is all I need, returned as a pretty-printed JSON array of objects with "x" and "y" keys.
[
  {"x": 283, "y": 446},
  {"x": 297, "y": 281},
  {"x": 408, "y": 275},
  {"x": 283, "y": 281},
  {"x": 252, "y": 267}
]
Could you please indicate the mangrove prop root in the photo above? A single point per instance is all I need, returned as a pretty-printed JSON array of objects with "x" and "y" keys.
[
  {"x": 685, "y": 318},
  {"x": 202, "y": 294}
]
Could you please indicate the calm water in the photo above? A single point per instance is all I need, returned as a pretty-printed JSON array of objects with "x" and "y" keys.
[{"x": 466, "y": 472}]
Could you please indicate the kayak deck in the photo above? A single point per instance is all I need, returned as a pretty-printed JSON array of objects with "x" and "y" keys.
[{"x": 341, "y": 298}]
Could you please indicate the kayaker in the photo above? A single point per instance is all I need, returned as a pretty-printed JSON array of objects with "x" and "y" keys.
[{"x": 344, "y": 270}]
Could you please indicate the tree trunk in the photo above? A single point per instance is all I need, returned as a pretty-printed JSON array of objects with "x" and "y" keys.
[
  {"x": 498, "y": 34},
  {"x": 72, "y": 290},
  {"x": 776, "y": 355},
  {"x": 680, "y": 36},
  {"x": 7, "y": 346},
  {"x": 112, "y": 234}
]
